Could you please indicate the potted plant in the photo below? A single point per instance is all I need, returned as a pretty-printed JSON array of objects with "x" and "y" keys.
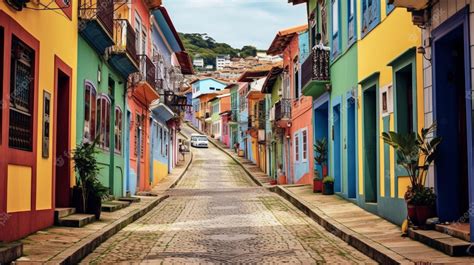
[
  {"x": 89, "y": 192},
  {"x": 416, "y": 152},
  {"x": 328, "y": 185},
  {"x": 321, "y": 151}
]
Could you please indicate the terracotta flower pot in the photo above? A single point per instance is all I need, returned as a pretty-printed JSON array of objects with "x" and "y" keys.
[
  {"x": 273, "y": 182},
  {"x": 411, "y": 210},
  {"x": 317, "y": 185},
  {"x": 282, "y": 180},
  {"x": 423, "y": 213}
]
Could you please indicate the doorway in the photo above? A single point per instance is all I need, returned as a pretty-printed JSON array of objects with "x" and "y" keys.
[
  {"x": 351, "y": 149},
  {"x": 336, "y": 135},
  {"x": 321, "y": 129},
  {"x": 370, "y": 144},
  {"x": 62, "y": 163},
  {"x": 452, "y": 109}
]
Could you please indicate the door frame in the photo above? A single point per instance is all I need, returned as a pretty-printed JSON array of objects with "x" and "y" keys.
[
  {"x": 60, "y": 65},
  {"x": 461, "y": 18}
]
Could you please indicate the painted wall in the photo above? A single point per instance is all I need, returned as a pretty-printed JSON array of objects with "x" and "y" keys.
[
  {"x": 398, "y": 35},
  {"x": 208, "y": 85},
  {"x": 111, "y": 162},
  {"x": 26, "y": 191}
]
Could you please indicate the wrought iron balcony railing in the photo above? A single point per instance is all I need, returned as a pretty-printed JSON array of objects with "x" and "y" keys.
[
  {"x": 283, "y": 109},
  {"x": 147, "y": 71},
  {"x": 102, "y": 10},
  {"x": 316, "y": 67},
  {"x": 124, "y": 38}
]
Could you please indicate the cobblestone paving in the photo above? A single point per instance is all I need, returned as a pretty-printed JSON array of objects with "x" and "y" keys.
[{"x": 218, "y": 215}]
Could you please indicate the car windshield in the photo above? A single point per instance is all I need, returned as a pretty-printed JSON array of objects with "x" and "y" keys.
[{"x": 199, "y": 138}]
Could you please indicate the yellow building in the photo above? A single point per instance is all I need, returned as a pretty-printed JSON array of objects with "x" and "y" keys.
[
  {"x": 390, "y": 98},
  {"x": 39, "y": 54}
]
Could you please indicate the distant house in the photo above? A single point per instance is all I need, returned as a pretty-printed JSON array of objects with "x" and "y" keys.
[
  {"x": 198, "y": 62},
  {"x": 222, "y": 61}
]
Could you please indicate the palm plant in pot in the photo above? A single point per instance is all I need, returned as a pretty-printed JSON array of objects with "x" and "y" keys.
[
  {"x": 89, "y": 192},
  {"x": 320, "y": 157},
  {"x": 416, "y": 152}
]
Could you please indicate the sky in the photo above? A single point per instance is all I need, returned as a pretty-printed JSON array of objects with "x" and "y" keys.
[{"x": 236, "y": 22}]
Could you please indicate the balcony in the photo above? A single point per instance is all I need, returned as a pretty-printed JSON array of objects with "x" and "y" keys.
[
  {"x": 410, "y": 4},
  {"x": 123, "y": 55},
  {"x": 283, "y": 110},
  {"x": 315, "y": 76},
  {"x": 234, "y": 117},
  {"x": 147, "y": 71},
  {"x": 96, "y": 22}
]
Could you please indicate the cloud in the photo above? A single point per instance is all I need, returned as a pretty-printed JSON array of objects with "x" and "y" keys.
[{"x": 237, "y": 22}]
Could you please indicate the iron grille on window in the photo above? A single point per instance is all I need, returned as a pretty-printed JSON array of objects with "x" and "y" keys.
[
  {"x": 21, "y": 96},
  {"x": 261, "y": 115}
]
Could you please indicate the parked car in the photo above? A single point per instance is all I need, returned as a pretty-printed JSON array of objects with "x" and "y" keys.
[{"x": 199, "y": 140}]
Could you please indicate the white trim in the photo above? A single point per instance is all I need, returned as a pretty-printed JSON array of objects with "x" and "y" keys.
[
  {"x": 302, "y": 145},
  {"x": 295, "y": 135}
]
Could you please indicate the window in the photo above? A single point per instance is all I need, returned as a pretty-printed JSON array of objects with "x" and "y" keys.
[
  {"x": 103, "y": 121},
  {"x": 118, "y": 130},
  {"x": 21, "y": 96},
  {"x": 142, "y": 136},
  {"x": 137, "y": 132},
  {"x": 144, "y": 41},
  {"x": 90, "y": 112},
  {"x": 351, "y": 22},
  {"x": 138, "y": 30},
  {"x": 390, "y": 8},
  {"x": 161, "y": 141},
  {"x": 212, "y": 88},
  {"x": 370, "y": 15},
  {"x": 295, "y": 79},
  {"x": 314, "y": 28},
  {"x": 304, "y": 136},
  {"x": 297, "y": 148},
  {"x": 335, "y": 26}
]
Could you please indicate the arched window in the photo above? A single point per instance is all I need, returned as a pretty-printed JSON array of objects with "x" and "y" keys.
[
  {"x": 90, "y": 109},
  {"x": 103, "y": 121},
  {"x": 118, "y": 130}
]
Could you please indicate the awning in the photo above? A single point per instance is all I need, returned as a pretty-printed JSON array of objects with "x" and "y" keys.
[
  {"x": 145, "y": 93},
  {"x": 162, "y": 111}
]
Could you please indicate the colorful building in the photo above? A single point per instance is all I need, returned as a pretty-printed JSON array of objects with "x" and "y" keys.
[
  {"x": 225, "y": 116},
  {"x": 39, "y": 78},
  {"x": 202, "y": 87},
  {"x": 100, "y": 94},
  {"x": 291, "y": 44}
]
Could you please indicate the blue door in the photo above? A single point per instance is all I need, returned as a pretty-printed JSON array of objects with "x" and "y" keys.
[
  {"x": 336, "y": 134},
  {"x": 351, "y": 149}
]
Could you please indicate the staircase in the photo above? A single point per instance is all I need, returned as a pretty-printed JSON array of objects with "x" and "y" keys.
[
  {"x": 69, "y": 218},
  {"x": 112, "y": 206},
  {"x": 10, "y": 252}
]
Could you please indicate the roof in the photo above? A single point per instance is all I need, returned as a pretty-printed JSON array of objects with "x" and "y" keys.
[
  {"x": 271, "y": 79},
  {"x": 283, "y": 38},
  {"x": 161, "y": 15},
  {"x": 249, "y": 76},
  {"x": 197, "y": 80},
  {"x": 185, "y": 62},
  {"x": 297, "y": 2}
]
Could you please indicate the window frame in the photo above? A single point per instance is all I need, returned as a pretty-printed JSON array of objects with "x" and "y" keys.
[
  {"x": 118, "y": 129},
  {"x": 351, "y": 18},
  {"x": 107, "y": 126},
  {"x": 304, "y": 146},
  {"x": 335, "y": 34},
  {"x": 296, "y": 142},
  {"x": 370, "y": 24},
  {"x": 89, "y": 85}
]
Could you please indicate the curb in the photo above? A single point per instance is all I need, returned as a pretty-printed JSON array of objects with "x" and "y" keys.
[
  {"x": 252, "y": 177},
  {"x": 184, "y": 172},
  {"x": 365, "y": 245},
  {"x": 85, "y": 246}
]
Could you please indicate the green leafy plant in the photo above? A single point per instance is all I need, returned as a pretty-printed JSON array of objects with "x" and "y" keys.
[
  {"x": 87, "y": 169},
  {"x": 321, "y": 155},
  {"x": 328, "y": 179},
  {"x": 424, "y": 197},
  {"x": 416, "y": 152}
]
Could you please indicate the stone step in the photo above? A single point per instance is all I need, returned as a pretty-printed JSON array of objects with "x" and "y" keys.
[
  {"x": 10, "y": 252},
  {"x": 443, "y": 242},
  {"x": 112, "y": 206},
  {"x": 459, "y": 230},
  {"x": 63, "y": 212},
  {"x": 129, "y": 199},
  {"x": 147, "y": 193},
  {"x": 76, "y": 220}
]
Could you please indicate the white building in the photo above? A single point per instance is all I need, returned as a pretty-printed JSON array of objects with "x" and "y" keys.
[
  {"x": 222, "y": 61},
  {"x": 198, "y": 62}
]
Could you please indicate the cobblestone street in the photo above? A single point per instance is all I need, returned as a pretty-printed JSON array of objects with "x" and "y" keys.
[{"x": 218, "y": 215}]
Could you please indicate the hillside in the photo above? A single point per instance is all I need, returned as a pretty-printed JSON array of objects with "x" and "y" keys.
[{"x": 208, "y": 48}]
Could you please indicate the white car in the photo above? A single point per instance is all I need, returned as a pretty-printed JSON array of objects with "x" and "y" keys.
[{"x": 199, "y": 140}]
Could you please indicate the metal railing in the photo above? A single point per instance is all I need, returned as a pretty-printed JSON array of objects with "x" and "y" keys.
[
  {"x": 102, "y": 10},
  {"x": 147, "y": 70},
  {"x": 315, "y": 67},
  {"x": 124, "y": 38},
  {"x": 283, "y": 109}
]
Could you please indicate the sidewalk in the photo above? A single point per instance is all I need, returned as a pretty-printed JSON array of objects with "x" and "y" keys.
[
  {"x": 369, "y": 233},
  {"x": 60, "y": 245}
]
